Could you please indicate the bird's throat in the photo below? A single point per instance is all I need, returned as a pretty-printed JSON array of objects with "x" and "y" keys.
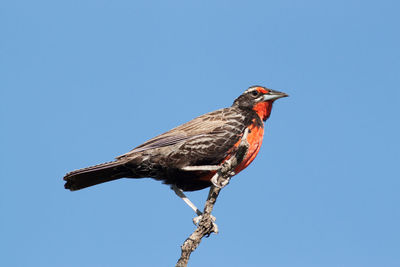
[{"x": 263, "y": 109}]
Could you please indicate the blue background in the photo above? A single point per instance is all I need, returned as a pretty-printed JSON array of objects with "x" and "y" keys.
[{"x": 85, "y": 81}]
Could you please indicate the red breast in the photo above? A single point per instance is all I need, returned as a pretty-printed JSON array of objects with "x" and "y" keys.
[{"x": 254, "y": 138}]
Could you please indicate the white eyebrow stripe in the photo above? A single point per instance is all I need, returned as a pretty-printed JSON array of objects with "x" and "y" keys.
[{"x": 251, "y": 89}]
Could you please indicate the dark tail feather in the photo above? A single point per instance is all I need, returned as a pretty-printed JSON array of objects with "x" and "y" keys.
[{"x": 97, "y": 174}]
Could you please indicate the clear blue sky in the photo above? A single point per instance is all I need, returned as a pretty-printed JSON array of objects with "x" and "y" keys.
[{"x": 85, "y": 81}]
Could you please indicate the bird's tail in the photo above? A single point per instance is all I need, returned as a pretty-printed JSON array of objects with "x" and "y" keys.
[{"x": 97, "y": 174}]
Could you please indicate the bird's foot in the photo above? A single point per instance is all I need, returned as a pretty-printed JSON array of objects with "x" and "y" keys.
[
  {"x": 221, "y": 183},
  {"x": 197, "y": 219},
  {"x": 214, "y": 227}
]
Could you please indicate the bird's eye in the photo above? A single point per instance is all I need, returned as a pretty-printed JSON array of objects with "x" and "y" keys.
[{"x": 254, "y": 93}]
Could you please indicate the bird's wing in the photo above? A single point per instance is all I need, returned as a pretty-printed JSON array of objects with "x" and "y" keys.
[
  {"x": 160, "y": 141},
  {"x": 210, "y": 126}
]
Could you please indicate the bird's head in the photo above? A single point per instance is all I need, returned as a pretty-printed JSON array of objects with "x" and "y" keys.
[{"x": 259, "y": 99}]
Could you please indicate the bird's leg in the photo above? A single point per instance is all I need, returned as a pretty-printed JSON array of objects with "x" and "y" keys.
[
  {"x": 221, "y": 184},
  {"x": 180, "y": 194},
  {"x": 196, "y": 219},
  {"x": 202, "y": 168}
]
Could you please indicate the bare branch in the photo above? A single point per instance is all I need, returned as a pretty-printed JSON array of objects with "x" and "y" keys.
[{"x": 206, "y": 225}]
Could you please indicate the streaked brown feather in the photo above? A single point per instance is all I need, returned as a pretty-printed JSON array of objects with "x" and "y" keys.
[
  {"x": 202, "y": 126},
  {"x": 205, "y": 140}
]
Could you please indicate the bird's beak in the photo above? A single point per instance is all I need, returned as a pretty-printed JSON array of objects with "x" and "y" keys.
[{"x": 274, "y": 95}]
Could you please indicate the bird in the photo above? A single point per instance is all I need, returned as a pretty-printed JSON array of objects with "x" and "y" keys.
[{"x": 176, "y": 157}]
